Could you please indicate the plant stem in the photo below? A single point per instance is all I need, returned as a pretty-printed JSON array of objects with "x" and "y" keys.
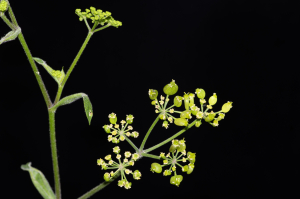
[
  {"x": 8, "y": 22},
  {"x": 151, "y": 156},
  {"x": 148, "y": 133},
  {"x": 61, "y": 87},
  {"x": 31, "y": 61},
  {"x": 54, "y": 153},
  {"x": 131, "y": 143},
  {"x": 99, "y": 187},
  {"x": 171, "y": 138}
]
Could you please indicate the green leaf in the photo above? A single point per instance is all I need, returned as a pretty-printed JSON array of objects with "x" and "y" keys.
[
  {"x": 72, "y": 98},
  {"x": 12, "y": 35},
  {"x": 39, "y": 181},
  {"x": 57, "y": 75},
  {"x": 88, "y": 108}
]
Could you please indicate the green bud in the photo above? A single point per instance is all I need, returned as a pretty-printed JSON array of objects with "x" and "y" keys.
[
  {"x": 221, "y": 116},
  {"x": 191, "y": 167},
  {"x": 215, "y": 123},
  {"x": 127, "y": 185},
  {"x": 186, "y": 114},
  {"x": 185, "y": 168},
  {"x": 213, "y": 99},
  {"x": 121, "y": 183},
  {"x": 162, "y": 117},
  {"x": 112, "y": 118},
  {"x": 194, "y": 109},
  {"x": 167, "y": 172},
  {"x": 171, "y": 88},
  {"x": 3, "y": 5},
  {"x": 181, "y": 147},
  {"x": 155, "y": 167},
  {"x": 174, "y": 146},
  {"x": 191, "y": 157},
  {"x": 106, "y": 177},
  {"x": 176, "y": 180},
  {"x": 153, "y": 94},
  {"x": 177, "y": 101},
  {"x": 191, "y": 97},
  {"x": 180, "y": 122},
  {"x": 153, "y": 102},
  {"x": 210, "y": 117},
  {"x": 129, "y": 119},
  {"x": 198, "y": 123},
  {"x": 136, "y": 175},
  {"x": 226, "y": 107},
  {"x": 106, "y": 128},
  {"x": 200, "y": 93},
  {"x": 186, "y": 101},
  {"x": 165, "y": 124}
]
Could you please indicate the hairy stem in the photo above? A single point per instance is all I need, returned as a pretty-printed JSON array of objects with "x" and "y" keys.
[
  {"x": 148, "y": 133},
  {"x": 99, "y": 187},
  {"x": 61, "y": 87},
  {"x": 54, "y": 153},
  {"x": 171, "y": 138}
]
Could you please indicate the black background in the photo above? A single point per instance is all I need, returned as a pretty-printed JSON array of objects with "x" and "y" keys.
[{"x": 245, "y": 51}]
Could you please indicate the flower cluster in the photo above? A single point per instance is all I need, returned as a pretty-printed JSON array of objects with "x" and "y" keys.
[
  {"x": 120, "y": 166},
  {"x": 188, "y": 99},
  {"x": 118, "y": 133},
  {"x": 176, "y": 154},
  {"x": 3, "y": 5},
  {"x": 98, "y": 16}
]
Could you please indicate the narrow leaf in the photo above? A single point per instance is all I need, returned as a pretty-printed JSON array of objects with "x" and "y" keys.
[
  {"x": 72, "y": 98},
  {"x": 57, "y": 75},
  {"x": 12, "y": 35},
  {"x": 88, "y": 108},
  {"x": 39, "y": 181}
]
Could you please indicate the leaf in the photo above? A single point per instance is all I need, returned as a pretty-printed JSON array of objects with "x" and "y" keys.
[
  {"x": 88, "y": 108},
  {"x": 12, "y": 35},
  {"x": 39, "y": 181},
  {"x": 57, "y": 75},
  {"x": 72, "y": 98}
]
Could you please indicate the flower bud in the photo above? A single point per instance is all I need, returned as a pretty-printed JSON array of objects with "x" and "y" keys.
[
  {"x": 177, "y": 101},
  {"x": 180, "y": 122},
  {"x": 191, "y": 167},
  {"x": 106, "y": 177},
  {"x": 221, "y": 116},
  {"x": 210, "y": 117},
  {"x": 129, "y": 119},
  {"x": 198, "y": 123},
  {"x": 171, "y": 88},
  {"x": 186, "y": 101},
  {"x": 213, "y": 99},
  {"x": 186, "y": 114},
  {"x": 185, "y": 168},
  {"x": 215, "y": 123},
  {"x": 167, "y": 172},
  {"x": 112, "y": 118},
  {"x": 191, "y": 97},
  {"x": 176, "y": 180},
  {"x": 106, "y": 128},
  {"x": 136, "y": 175},
  {"x": 165, "y": 124},
  {"x": 121, "y": 183},
  {"x": 194, "y": 109},
  {"x": 200, "y": 93},
  {"x": 153, "y": 102},
  {"x": 155, "y": 167},
  {"x": 3, "y": 5},
  {"x": 226, "y": 107},
  {"x": 162, "y": 117},
  {"x": 181, "y": 147},
  {"x": 153, "y": 94},
  {"x": 191, "y": 157},
  {"x": 127, "y": 185}
]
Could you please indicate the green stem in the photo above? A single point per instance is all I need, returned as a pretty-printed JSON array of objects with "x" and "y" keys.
[
  {"x": 131, "y": 143},
  {"x": 171, "y": 138},
  {"x": 61, "y": 87},
  {"x": 54, "y": 153},
  {"x": 99, "y": 187},
  {"x": 148, "y": 133},
  {"x": 151, "y": 156},
  {"x": 31, "y": 61},
  {"x": 8, "y": 22},
  {"x": 102, "y": 28}
]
